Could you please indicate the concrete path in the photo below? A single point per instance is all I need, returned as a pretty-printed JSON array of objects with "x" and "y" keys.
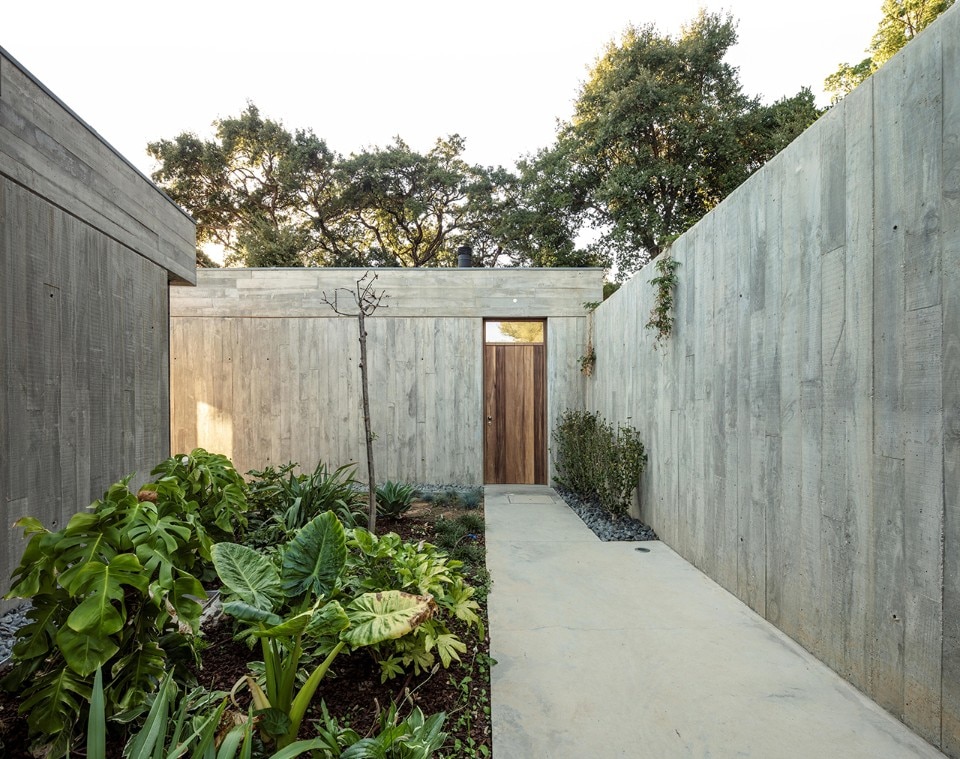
[{"x": 607, "y": 651}]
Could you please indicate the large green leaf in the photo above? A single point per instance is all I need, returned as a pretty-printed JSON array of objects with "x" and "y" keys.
[
  {"x": 183, "y": 598},
  {"x": 104, "y": 583},
  {"x": 36, "y": 637},
  {"x": 53, "y": 701},
  {"x": 247, "y": 613},
  {"x": 85, "y": 651},
  {"x": 250, "y": 576},
  {"x": 315, "y": 558},
  {"x": 376, "y": 617},
  {"x": 331, "y": 619}
]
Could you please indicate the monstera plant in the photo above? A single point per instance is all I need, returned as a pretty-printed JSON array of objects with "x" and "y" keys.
[
  {"x": 114, "y": 590},
  {"x": 301, "y": 604}
]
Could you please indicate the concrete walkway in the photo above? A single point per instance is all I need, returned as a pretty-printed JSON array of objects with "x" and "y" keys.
[{"x": 607, "y": 651}]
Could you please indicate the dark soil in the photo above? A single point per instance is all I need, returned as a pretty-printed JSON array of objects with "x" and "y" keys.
[{"x": 352, "y": 691}]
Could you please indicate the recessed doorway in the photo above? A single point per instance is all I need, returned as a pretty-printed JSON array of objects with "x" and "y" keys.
[{"x": 514, "y": 400}]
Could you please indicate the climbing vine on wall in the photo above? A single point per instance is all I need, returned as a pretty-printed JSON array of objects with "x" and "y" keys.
[{"x": 661, "y": 316}]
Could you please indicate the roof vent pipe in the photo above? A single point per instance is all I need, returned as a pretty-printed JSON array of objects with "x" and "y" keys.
[{"x": 464, "y": 257}]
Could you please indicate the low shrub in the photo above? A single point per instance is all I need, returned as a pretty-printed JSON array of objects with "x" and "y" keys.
[
  {"x": 394, "y": 499},
  {"x": 285, "y": 501},
  {"x": 594, "y": 460}
]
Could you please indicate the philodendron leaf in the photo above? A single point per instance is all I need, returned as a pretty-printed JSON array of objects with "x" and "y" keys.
[
  {"x": 331, "y": 619},
  {"x": 273, "y": 721},
  {"x": 247, "y": 613},
  {"x": 315, "y": 558},
  {"x": 250, "y": 576},
  {"x": 375, "y": 617}
]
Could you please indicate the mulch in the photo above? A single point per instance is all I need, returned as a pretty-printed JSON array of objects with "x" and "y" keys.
[{"x": 352, "y": 690}]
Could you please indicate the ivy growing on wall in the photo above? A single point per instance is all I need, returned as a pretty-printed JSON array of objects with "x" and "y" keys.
[{"x": 661, "y": 316}]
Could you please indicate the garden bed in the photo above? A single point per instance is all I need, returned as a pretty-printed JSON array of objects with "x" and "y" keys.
[{"x": 353, "y": 691}]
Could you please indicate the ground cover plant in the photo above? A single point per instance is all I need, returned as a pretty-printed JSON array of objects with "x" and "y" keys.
[{"x": 335, "y": 642}]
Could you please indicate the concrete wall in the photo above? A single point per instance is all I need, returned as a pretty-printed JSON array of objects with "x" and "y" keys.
[
  {"x": 803, "y": 421},
  {"x": 265, "y": 372},
  {"x": 87, "y": 247}
]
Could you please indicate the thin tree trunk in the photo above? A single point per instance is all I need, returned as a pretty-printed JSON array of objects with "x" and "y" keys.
[{"x": 368, "y": 432}]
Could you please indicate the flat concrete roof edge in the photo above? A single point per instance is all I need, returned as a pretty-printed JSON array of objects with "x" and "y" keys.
[{"x": 26, "y": 72}]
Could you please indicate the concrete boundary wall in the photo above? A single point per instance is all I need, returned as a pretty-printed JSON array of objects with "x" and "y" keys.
[
  {"x": 803, "y": 421},
  {"x": 265, "y": 372},
  {"x": 88, "y": 247}
]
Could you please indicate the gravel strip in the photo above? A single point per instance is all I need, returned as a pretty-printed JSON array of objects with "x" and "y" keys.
[
  {"x": 604, "y": 525},
  {"x": 10, "y": 622}
]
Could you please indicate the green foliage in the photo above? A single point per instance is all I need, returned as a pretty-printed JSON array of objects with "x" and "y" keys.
[
  {"x": 285, "y": 501},
  {"x": 387, "y": 562},
  {"x": 189, "y": 724},
  {"x": 661, "y": 133},
  {"x": 473, "y": 689},
  {"x": 661, "y": 315},
  {"x": 409, "y": 208},
  {"x": 394, "y": 499},
  {"x": 588, "y": 361},
  {"x": 302, "y": 605},
  {"x": 471, "y": 499},
  {"x": 416, "y": 737},
  {"x": 268, "y": 196},
  {"x": 594, "y": 460},
  {"x": 210, "y": 480},
  {"x": 901, "y": 21},
  {"x": 272, "y": 197},
  {"x": 115, "y": 591},
  {"x": 459, "y": 537}
]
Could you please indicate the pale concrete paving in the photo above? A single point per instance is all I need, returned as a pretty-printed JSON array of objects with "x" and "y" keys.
[{"x": 607, "y": 651}]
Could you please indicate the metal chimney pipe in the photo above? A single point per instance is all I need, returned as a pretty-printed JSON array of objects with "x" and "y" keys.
[{"x": 464, "y": 257}]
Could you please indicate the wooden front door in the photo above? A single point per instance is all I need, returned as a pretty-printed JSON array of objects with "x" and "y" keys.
[{"x": 514, "y": 399}]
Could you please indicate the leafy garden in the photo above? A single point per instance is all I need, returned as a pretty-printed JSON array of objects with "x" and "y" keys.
[{"x": 119, "y": 658}]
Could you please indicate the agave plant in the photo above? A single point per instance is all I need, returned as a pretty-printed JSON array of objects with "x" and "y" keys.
[
  {"x": 394, "y": 499},
  {"x": 300, "y": 605}
]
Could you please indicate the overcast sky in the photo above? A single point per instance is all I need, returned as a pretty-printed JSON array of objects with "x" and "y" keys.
[{"x": 499, "y": 72}]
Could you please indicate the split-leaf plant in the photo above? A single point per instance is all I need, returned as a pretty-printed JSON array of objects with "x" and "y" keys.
[
  {"x": 386, "y": 561},
  {"x": 116, "y": 589},
  {"x": 303, "y": 606},
  {"x": 210, "y": 480},
  {"x": 661, "y": 315}
]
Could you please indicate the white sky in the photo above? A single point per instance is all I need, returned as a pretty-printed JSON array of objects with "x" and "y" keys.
[{"x": 357, "y": 72}]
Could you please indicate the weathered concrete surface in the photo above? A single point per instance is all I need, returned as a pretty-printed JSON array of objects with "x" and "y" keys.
[
  {"x": 88, "y": 247},
  {"x": 426, "y": 364},
  {"x": 803, "y": 419},
  {"x": 606, "y": 651}
]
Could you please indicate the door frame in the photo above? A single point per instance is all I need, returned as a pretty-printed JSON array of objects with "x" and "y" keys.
[{"x": 546, "y": 387}]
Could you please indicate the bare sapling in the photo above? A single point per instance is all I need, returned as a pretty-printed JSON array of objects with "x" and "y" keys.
[{"x": 362, "y": 303}]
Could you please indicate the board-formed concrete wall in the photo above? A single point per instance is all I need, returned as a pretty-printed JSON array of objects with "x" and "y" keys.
[
  {"x": 265, "y": 372},
  {"x": 87, "y": 247},
  {"x": 803, "y": 421}
]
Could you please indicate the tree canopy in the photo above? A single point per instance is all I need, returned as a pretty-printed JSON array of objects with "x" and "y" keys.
[
  {"x": 275, "y": 198},
  {"x": 661, "y": 133},
  {"x": 902, "y": 21}
]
